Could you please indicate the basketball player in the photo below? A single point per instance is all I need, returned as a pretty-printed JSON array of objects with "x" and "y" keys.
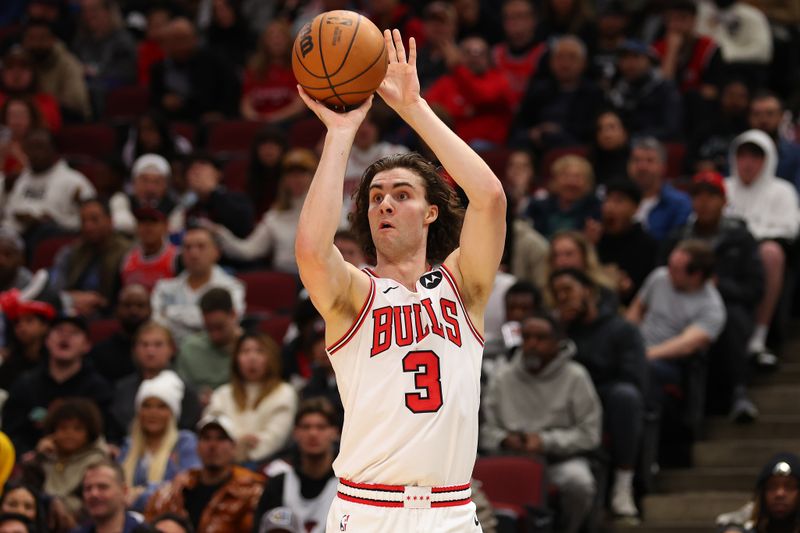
[{"x": 405, "y": 338}]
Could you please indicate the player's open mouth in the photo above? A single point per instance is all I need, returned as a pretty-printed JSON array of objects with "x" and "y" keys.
[{"x": 385, "y": 225}]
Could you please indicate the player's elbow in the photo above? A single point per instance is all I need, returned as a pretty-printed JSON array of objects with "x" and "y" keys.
[{"x": 491, "y": 197}]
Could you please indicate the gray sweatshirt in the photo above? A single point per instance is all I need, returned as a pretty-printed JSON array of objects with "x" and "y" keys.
[{"x": 559, "y": 403}]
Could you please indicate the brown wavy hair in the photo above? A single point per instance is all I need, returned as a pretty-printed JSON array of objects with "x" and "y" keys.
[{"x": 443, "y": 233}]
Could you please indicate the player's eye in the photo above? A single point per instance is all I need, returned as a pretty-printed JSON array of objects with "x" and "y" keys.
[
  {"x": 377, "y": 198},
  {"x": 403, "y": 196}
]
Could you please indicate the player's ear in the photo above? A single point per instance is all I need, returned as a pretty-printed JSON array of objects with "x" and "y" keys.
[{"x": 432, "y": 214}]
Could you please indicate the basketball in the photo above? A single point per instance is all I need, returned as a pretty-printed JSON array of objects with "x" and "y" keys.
[{"x": 339, "y": 58}]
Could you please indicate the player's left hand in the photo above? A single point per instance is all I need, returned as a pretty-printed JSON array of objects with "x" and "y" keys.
[{"x": 400, "y": 88}]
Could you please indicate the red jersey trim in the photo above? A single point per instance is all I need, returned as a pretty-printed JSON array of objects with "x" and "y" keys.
[
  {"x": 371, "y": 486},
  {"x": 357, "y": 324},
  {"x": 382, "y": 503},
  {"x": 453, "y": 488},
  {"x": 370, "y": 272},
  {"x": 451, "y": 280}
]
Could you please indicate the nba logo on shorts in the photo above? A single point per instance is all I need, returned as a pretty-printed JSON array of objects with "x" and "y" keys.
[{"x": 343, "y": 522}]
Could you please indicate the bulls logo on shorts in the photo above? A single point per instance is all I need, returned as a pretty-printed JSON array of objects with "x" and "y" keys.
[
  {"x": 430, "y": 280},
  {"x": 343, "y": 522}
]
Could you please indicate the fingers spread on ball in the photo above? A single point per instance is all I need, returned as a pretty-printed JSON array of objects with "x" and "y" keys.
[
  {"x": 412, "y": 51},
  {"x": 398, "y": 44},
  {"x": 390, "y": 50}
]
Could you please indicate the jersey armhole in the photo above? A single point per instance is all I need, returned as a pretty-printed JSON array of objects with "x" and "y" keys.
[
  {"x": 452, "y": 281},
  {"x": 354, "y": 327}
]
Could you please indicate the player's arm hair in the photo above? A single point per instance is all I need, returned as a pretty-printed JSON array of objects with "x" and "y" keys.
[
  {"x": 483, "y": 232},
  {"x": 323, "y": 270}
]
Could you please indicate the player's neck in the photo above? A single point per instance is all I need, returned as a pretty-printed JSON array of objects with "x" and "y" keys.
[{"x": 406, "y": 272}]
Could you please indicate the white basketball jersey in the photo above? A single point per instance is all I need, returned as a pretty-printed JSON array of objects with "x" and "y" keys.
[{"x": 408, "y": 372}]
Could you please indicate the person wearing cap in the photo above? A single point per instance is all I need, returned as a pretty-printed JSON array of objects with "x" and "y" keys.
[
  {"x": 769, "y": 206},
  {"x": 86, "y": 274},
  {"x": 208, "y": 200},
  {"x": 150, "y": 181},
  {"x": 153, "y": 256},
  {"x": 624, "y": 246},
  {"x": 560, "y": 110},
  {"x": 58, "y": 71},
  {"x": 17, "y": 79},
  {"x": 46, "y": 194},
  {"x": 219, "y": 496},
  {"x": 113, "y": 356},
  {"x": 740, "y": 280},
  {"x": 693, "y": 61},
  {"x": 274, "y": 235},
  {"x": 306, "y": 486},
  {"x": 649, "y": 104},
  {"x": 64, "y": 374},
  {"x": 155, "y": 450},
  {"x": 28, "y": 321},
  {"x": 776, "y": 503}
]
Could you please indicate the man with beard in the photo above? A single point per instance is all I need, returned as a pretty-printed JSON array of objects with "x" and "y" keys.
[
  {"x": 58, "y": 71},
  {"x": 766, "y": 114},
  {"x": 612, "y": 350},
  {"x": 308, "y": 486},
  {"x": 220, "y": 496},
  {"x": 112, "y": 357}
]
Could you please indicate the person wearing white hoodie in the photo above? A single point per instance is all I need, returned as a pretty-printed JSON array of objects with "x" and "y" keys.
[
  {"x": 770, "y": 206},
  {"x": 543, "y": 403}
]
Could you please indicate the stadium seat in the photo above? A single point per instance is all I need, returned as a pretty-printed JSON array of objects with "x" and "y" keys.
[
  {"x": 497, "y": 158},
  {"x": 187, "y": 130},
  {"x": 306, "y": 133},
  {"x": 550, "y": 157},
  {"x": 275, "y": 327},
  {"x": 127, "y": 103},
  {"x": 235, "y": 174},
  {"x": 231, "y": 137},
  {"x": 676, "y": 155},
  {"x": 514, "y": 485},
  {"x": 100, "y": 330},
  {"x": 96, "y": 140},
  {"x": 47, "y": 249},
  {"x": 269, "y": 292}
]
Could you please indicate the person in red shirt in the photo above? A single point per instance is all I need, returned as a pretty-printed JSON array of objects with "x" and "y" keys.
[
  {"x": 476, "y": 95},
  {"x": 519, "y": 55},
  {"x": 269, "y": 92},
  {"x": 18, "y": 79},
  {"x": 149, "y": 50},
  {"x": 153, "y": 257}
]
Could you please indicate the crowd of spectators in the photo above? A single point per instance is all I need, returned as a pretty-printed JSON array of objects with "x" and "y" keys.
[{"x": 649, "y": 157}]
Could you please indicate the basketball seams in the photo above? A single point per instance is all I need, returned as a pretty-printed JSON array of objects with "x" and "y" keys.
[
  {"x": 349, "y": 47},
  {"x": 345, "y": 82},
  {"x": 322, "y": 59},
  {"x": 300, "y": 62}
]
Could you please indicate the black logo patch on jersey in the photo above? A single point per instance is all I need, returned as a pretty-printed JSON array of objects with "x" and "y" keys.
[{"x": 431, "y": 279}]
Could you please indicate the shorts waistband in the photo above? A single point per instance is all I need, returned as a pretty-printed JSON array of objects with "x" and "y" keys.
[{"x": 409, "y": 497}]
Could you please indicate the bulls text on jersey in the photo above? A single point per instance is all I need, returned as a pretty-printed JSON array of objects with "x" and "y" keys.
[{"x": 403, "y": 325}]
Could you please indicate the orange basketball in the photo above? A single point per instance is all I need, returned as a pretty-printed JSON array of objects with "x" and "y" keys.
[{"x": 339, "y": 58}]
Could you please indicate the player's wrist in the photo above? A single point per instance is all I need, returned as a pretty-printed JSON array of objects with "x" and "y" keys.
[{"x": 414, "y": 111}]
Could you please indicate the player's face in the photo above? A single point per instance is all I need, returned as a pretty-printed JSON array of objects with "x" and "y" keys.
[
  {"x": 314, "y": 434},
  {"x": 399, "y": 214}
]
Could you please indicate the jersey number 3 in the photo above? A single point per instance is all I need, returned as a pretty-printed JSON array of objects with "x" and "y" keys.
[{"x": 427, "y": 381}]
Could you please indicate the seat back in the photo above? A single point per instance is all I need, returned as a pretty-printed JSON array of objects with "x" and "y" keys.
[
  {"x": 269, "y": 292},
  {"x": 513, "y": 480},
  {"x": 96, "y": 140},
  {"x": 47, "y": 249}
]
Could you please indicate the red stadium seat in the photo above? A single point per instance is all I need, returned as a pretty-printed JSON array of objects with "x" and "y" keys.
[
  {"x": 127, "y": 103},
  {"x": 232, "y": 136},
  {"x": 100, "y": 330},
  {"x": 306, "y": 133},
  {"x": 276, "y": 327},
  {"x": 269, "y": 292},
  {"x": 96, "y": 140},
  {"x": 676, "y": 154},
  {"x": 512, "y": 484},
  {"x": 545, "y": 169},
  {"x": 497, "y": 158},
  {"x": 186, "y": 130},
  {"x": 47, "y": 249},
  {"x": 235, "y": 174}
]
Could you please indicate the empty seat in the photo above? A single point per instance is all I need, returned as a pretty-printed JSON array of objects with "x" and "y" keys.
[
  {"x": 100, "y": 330},
  {"x": 127, "y": 103},
  {"x": 235, "y": 174},
  {"x": 276, "y": 327},
  {"x": 269, "y": 292},
  {"x": 497, "y": 158},
  {"x": 306, "y": 133},
  {"x": 96, "y": 140},
  {"x": 232, "y": 136},
  {"x": 46, "y": 250},
  {"x": 513, "y": 484}
]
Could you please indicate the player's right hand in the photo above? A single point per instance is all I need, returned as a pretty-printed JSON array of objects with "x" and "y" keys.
[{"x": 347, "y": 121}]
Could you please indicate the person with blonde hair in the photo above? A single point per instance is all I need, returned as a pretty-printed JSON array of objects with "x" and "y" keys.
[
  {"x": 571, "y": 249},
  {"x": 259, "y": 403},
  {"x": 571, "y": 201},
  {"x": 155, "y": 451}
]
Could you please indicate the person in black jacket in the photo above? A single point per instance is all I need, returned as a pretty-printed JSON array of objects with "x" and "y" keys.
[
  {"x": 612, "y": 350},
  {"x": 63, "y": 374},
  {"x": 192, "y": 82},
  {"x": 740, "y": 280},
  {"x": 307, "y": 486},
  {"x": 559, "y": 111}
]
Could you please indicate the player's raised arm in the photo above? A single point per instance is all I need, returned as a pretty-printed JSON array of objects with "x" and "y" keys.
[
  {"x": 483, "y": 234},
  {"x": 325, "y": 274}
]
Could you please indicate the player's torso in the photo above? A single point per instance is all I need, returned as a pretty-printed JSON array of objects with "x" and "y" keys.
[{"x": 409, "y": 376}]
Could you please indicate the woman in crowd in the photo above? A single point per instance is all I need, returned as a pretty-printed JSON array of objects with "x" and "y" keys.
[
  {"x": 571, "y": 249},
  {"x": 18, "y": 116},
  {"x": 228, "y": 33},
  {"x": 519, "y": 182},
  {"x": 264, "y": 171},
  {"x": 156, "y": 450},
  {"x": 153, "y": 352},
  {"x": 571, "y": 203},
  {"x": 48, "y": 514},
  {"x": 611, "y": 148},
  {"x": 274, "y": 235},
  {"x": 260, "y": 404},
  {"x": 74, "y": 440},
  {"x": 269, "y": 92}
]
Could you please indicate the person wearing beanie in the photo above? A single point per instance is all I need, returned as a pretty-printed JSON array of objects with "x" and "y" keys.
[
  {"x": 150, "y": 181},
  {"x": 156, "y": 450}
]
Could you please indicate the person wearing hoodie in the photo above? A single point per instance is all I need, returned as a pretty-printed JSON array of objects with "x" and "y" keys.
[
  {"x": 565, "y": 423},
  {"x": 612, "y": 351},
  {"x": 766, "y": 114},
  {"x": 769, "y": 205}
]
